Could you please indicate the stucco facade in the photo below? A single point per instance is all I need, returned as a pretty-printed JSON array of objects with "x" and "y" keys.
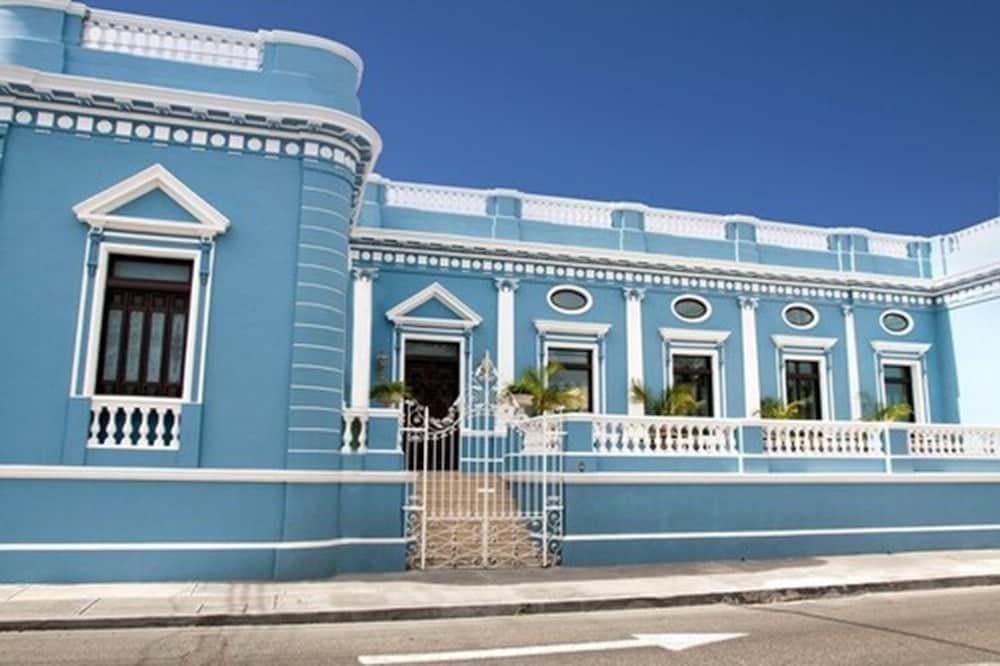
[{"x": 243, "y": 159}]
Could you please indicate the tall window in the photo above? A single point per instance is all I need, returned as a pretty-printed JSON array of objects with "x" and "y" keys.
[
  {"x": 899, "y": 388},
  {"x": 577, "y": 371},
  {"x": 802, "y": 380},
  {"x": 696, "y": 372},
  {"x": 144, "y": 331}
]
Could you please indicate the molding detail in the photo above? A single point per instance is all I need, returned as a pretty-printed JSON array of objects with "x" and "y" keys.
[
  {"x": 693, "y": 335},
  {"x": 98, "y": 210},
  {"x": 803, "y": 342},
  {"x": 468, "y": 318},
  {"x": 588, "y": 329},
  {"x": 911, "y": 348}
]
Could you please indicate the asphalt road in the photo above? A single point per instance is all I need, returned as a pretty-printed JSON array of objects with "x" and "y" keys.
[{"x": 942, "y": 627}]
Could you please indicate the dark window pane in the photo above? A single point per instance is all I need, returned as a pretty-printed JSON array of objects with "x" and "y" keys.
[
  {"x": 155, "y": 358},
  {"x": 899, "y": 387},
  {"x": 690, "y": 308},
  {"x": 133, "y": 353},
  {"x": 430, "y": 349},
  {"x": 568, "y": 299},
  {"x": 112, "y": 345},
  {"x": 145, "y": 269},
  {"x": 576, "y": 372},
  {"x": 177, "y": 336},
  {"x": 802, "y": 385},
  {"x": 696, "y": 373}
]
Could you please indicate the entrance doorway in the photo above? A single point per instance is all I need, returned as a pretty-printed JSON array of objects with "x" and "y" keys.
[{"x": 432, "y": 372}]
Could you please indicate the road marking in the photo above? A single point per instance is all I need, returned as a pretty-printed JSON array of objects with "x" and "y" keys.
[{"x": 672, "y": 642}]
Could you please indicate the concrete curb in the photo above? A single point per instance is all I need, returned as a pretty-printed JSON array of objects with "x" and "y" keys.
[{"x": 745, "y": 597}]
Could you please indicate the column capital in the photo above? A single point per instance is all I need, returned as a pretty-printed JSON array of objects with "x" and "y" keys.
[
  {"x": 748, "y": 302},
  {"x": 364, "y": 274},
  {"x": 507, "y": 284},
  {"x": 634, "y": 293},
  {"x": 847, "y": 309}
]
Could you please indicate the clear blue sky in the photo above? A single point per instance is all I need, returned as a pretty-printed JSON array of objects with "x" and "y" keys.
[{"x": 878, "y": 114}]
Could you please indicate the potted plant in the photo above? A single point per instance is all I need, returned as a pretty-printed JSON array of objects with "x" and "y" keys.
[
  {"x": 772, "y": 408},
  {"x": 390, "y": 394},
  {"x": 899, "y": 411},
  {"x": 677, "y": 400},
  {"x": 537, "y": 394}
]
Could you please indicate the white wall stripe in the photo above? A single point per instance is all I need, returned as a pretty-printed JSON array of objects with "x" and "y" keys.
[
  {"x": 316, "y": 366},
  {"x": 313, "y": 408},
  {"x": 322, "y": 306},
  {"x": 197, "y": 474},
  {"x": 322, "y": 327},
  {"x": 321, "y": 267},
  {"x": 759, "y": 534},
  {"x": 733, "y": 478},
  {"x": 310, "y": 345},
  {"x": 312, "y": 387},
  {"x": 323, "y": 190},
  {"x": 313, "y": 429},
  {"x": 201, "y": 545},
  {"x": 315, "y": 285},
  {"x": 320, "y": 248},
  {"x": 325, "y": 211}
]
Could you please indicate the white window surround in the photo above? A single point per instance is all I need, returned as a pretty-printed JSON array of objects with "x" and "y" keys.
[
  {"x": 195, "y": 314},
  {"x": 899, "y": 313},
  {"x": 596, "y": 367},
  {"x": 98, "y": 210},
  {"x": 570, "y": 287},
  {"x": 467, "y": 317},
  {"x": 692, "y": 297},
  {"x": 587, "y": 329},
  {"x": 807, "y": 348},
  {"x": 921, "y": 409},
  {"x": 804, "y": 306},
  {"x": 688, "y": 342},
  {"x": 825, "y": 380},
  {"x": 891, "y": 352},
  {"x": 454, "y": 338}
]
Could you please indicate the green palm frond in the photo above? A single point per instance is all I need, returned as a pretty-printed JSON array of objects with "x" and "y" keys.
[{"x": 677, "y": 400}]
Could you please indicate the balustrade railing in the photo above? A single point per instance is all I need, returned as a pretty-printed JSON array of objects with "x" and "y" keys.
[
  {"x": 953, "y": 441},
  {"x": 355, "y": 431},
  {"x": 664, "y": 436},
  {"x": 136, "y": 424},
  {"x": 823, "y": 438},
  {"x": 171, "y": 40}
]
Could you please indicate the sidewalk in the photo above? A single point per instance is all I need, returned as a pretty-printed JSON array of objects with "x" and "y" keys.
[{"x": 466, "y": 593}]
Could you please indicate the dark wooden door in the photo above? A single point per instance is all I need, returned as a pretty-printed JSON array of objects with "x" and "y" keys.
[{"x": 433, "y": 376}]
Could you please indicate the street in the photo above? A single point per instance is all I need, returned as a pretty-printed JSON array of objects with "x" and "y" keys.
[{"x": 939, "y": 627}]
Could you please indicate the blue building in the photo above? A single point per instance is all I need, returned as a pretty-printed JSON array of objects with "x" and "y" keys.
[{"x": 205, "y": 279}]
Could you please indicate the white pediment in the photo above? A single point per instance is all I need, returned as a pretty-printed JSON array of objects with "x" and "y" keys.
[
  {"x": 103, "y": 210},
  {"x": 402, "y": 314}
]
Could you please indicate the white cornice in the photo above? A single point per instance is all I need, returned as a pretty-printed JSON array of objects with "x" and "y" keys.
[
  {"x": 200, "y": 102},
  {"x": 803, "y": 342},
  {"x": 400, "y": 315},
  {"x": 636, "y": 260},
  {"x": 693, "y": 335},
  {"x": 588, "y": 329},
  {"x": 889, "y": 347}
]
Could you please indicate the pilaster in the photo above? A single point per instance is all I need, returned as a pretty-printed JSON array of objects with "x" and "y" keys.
[
  {"x": 751, "y": 367},
  {"x": 850, "y": 342},
  {"x": 506, "y": 287},
  {"x": 361, "y": 336},
  {"x": 634, "y": 355}
]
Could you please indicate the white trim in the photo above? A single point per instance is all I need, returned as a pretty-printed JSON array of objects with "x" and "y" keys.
[
  {"x": 793, "y": 478},
  {"x": 361, "y": 338},
  {"x": 853, "y": 376},
  {"x": 198, "y": 474},
  {"x": 97, "y": 210},
  {"x": 718, "y": 384},
  {"x": 803, "y": 306},
  {"x": 634, "y": 349},
  {"x": 199, "y": 545},
  {"x": 890, "y": 347},
  {"x": 803, "y": 342},
  {"x": 596, "y": 365},
  {"x": 575, "y": 289},
  {"x": 467, "y": 317},
  {"x": 901, "y": 313},
  {"x": 758, "y": 534},
  {"x": 916, "y": 366},
  {"x": 693, "y": 335},
  {"x": 588, "y": 329},
  {"x": 825, "y": 380},
  {"x": 506, "y": 331},
  {"x": 195, "y": 310},
  {"x": 751, "y": 362},
  {"x": 691, "y": 297}
]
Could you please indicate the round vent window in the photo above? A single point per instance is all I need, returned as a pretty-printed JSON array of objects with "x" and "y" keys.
[
  {"x": 799, "y": 315},
  {"x": 896, "y": 322},
  {"x": 691, "y": 308},
  {"x": 570, "y": 300}
]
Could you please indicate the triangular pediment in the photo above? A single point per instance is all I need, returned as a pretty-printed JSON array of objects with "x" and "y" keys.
[
  {"x": 152, "y": 201},
  {"x": 436, "y": 307}
]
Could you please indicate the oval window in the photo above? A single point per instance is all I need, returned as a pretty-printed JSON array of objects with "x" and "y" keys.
[
  {"x": 572, "y": 300},
  {"x": 799, "y": 315},
  {"x": 691, "y": 308},
  {"x": 896, "y": 322}
]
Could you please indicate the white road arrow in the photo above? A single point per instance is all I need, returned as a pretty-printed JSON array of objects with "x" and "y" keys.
[{"x": 672, "y": 642}]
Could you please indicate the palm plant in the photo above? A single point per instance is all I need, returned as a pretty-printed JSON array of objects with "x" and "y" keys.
[
  {"x": 772, "y": 408},
  {"x": 546, "y": 395},
  {"x": 899, "y": 411},
  {"x": 676, "y": 400}
]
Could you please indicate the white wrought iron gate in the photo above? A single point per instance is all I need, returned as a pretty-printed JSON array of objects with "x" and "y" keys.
[{"x": 487, "y": 489}]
